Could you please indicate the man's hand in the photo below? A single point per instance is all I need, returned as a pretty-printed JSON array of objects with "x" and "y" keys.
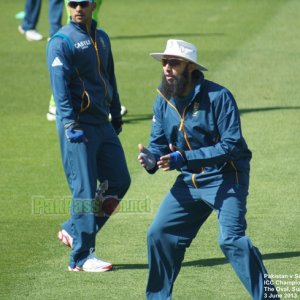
[
  {"x": 172, "y": 161},
  {"x": 146, "y": 158},
  {"x": 74, "y": 133}
]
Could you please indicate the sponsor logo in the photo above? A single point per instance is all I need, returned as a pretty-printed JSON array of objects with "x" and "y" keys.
[{"x": 83, "y": 44}]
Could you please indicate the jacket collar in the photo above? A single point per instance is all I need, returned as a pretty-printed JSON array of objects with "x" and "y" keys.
[
  {"x": 198, "y": 86},
  {"x": 82, "y": 28}
]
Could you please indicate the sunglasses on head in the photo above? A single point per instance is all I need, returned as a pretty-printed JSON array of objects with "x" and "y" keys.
[
  {"x": 172, "y": 62},
  {"x": 74, "y": 4}
]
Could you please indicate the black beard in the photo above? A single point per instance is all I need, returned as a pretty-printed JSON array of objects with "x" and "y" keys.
[{"x": 178, "y": 85}]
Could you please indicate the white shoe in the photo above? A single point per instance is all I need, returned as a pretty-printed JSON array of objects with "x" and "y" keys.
[
  {"x": 94, "y": 264},
  {"x": 51, "y": 114},
  {"x": 65, "y": 238},
  {"x": 76, "y": 269},
  {"x": 123, "y": 110},
  {"x": 21, "y": 30},
  {"x": 33, "y": 36}
]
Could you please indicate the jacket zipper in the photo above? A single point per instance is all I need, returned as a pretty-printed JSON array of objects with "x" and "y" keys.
[
  {"x": 98, "y": 59},
  {"x": 182, "y": 128},
  {"x": 85, "y": 93}
]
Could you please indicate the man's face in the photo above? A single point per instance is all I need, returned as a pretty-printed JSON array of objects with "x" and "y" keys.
[
  {"x": 81, "y": 12},
  {"x": 176, "y": 76}
]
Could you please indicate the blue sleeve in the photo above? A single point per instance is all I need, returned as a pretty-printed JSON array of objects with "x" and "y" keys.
[
  {"x": 158, "y": 144},
  {"x": 115, "y": 106},
  {"x": 60, "y": 69},
  {"x": 230, "y": 144}
]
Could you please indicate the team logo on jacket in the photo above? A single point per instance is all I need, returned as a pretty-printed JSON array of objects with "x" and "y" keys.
[
  {"x": 195, "y": 109},
  {"x": 83, "y": 44}
]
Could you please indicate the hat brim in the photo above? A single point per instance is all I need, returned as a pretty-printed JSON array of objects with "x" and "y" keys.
[
  {"x": 91, "y": 1},
  {"x": 160, "y": 56}
]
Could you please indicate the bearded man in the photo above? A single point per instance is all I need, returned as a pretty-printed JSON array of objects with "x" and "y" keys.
[{"x": 196, "y": 129}]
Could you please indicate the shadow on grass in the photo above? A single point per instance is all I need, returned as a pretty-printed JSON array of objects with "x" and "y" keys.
[
  {"x": 263, "y": 109},
  {"x": 211, "y": 261},
  {"x": 132, "y": 118},
  {"x": 222, "y": 261},
  {"x": 163, "y": 35}
]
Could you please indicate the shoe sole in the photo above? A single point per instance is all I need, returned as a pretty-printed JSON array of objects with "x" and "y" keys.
[
  {"x": 51, "y": 117},
  {"x": 124, "y": 112},
  {"x": 32, "y": 40},
  {"x": 104, "y": 269},
  {"x": 21, "y": 30},
  {"x": 77, "y": 269}
]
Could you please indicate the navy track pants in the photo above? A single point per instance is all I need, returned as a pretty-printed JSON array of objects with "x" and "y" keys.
[
  {"x": 101, "y": 158},
  {"x": 176, "y": 224}
]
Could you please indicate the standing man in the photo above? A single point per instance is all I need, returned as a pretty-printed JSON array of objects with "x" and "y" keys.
[
  {"x": 32, "y": 13},
  {"x": 196, "y": 129},
  {"x": 83, "y": 83}
]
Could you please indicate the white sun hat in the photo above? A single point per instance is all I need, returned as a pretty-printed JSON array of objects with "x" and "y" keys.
[
  {"x": 180, "y": 49},
  {"x": 81, "y": 1}
]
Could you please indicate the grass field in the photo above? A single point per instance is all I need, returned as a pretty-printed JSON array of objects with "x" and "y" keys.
[{"x": 252, "y": 47}]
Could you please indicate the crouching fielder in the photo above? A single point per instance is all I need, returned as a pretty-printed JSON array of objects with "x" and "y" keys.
[{"x": 196, "y": 129}]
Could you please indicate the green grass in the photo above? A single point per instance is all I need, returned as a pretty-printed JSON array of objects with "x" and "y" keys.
[{"x": 252, "y": 47}]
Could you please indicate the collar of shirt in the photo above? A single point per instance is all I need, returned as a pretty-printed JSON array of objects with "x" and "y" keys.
[{"x": 83, "y": 28}]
